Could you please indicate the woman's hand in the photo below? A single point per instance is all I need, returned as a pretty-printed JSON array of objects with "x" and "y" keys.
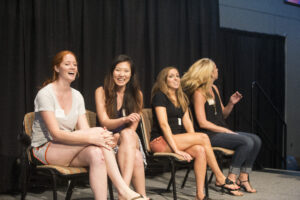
[
  {"x": 101, "y": 137},
  {"x": 133, "y": 117},
  {"x": 235, "y": 98},
  {"x": 185, "y": 155},
  {"x": 229, "y": 131}
]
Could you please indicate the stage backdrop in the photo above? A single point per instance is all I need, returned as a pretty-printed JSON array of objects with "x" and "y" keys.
[
  {"x": 246, "y": 57},
  {"x": 154, "y": 33}
]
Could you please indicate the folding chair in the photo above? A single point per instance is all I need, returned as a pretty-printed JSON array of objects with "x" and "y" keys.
[
  {"x": 71, "y": 174},
  {"x": 173, "y": 159}
]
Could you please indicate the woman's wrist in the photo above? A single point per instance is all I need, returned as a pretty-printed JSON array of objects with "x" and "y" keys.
[{"x": 124, "y": 120}]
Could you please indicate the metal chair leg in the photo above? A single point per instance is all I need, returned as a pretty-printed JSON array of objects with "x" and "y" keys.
[
  {"x": 25, "y": 180},
  {"x": 70, "y": 190},
  {"x": 174, "y": 181},
  {"x": 186, "y": 176},
  {"x": 206, "y": 185},
  {"x": 211, "y": 177},
  {"x": 54, "y": 185},
  {"x": 170, "y": 182},
  {"x": 110, "y": 188}
]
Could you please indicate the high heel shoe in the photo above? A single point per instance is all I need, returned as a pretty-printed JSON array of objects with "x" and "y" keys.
[
  {"x": 229, "y": 190},
  {"x": 244, "y": 187}
]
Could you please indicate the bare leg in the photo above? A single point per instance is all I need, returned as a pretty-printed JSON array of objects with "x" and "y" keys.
[
  {"x": 126, "y": 154},
  {"x": 113, "y": 171},
  {"x": 198, "y": 153},
  {"x": 130, "y": 161},
  {"x": 187, "y": 140},
  {"x": 81, "y": 156},
  {"x": 100, "y": 161},
  {"x": 138, "y": 176}
]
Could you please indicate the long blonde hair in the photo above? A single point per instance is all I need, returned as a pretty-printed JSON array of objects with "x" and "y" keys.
[
  {"x": 199, "y": 75},
  {"x": 161, "y": 85}
]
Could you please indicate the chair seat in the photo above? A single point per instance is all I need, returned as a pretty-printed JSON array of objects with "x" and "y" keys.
[
  {"x": 227, "y": 152},
  {"x": 174, "y": 155},
  {"x": 65, "y": 170}
]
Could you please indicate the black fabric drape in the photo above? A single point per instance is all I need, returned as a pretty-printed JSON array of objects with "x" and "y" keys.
[
  {"x": 154, "y": 33},
  {"x": 246, "y": 57}
]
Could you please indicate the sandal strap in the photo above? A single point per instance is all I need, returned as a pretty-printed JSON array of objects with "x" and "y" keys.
[
  {"x": 244, "y": 181},
  {"x": 228, "y": 182}
]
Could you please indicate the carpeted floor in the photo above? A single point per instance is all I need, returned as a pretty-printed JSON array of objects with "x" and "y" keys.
[{"x": 271, "y": 185}]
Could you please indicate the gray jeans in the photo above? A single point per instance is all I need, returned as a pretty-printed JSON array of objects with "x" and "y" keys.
[{"x": 245, "y": 145}]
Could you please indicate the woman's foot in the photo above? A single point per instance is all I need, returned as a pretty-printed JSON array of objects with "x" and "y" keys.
[
  {"x": 245, "y": 184},
  {"x": 132, "y": 196},
  {"x": 140, "y": 197},
  {"x": 202, "y": 198},
  {"x": 227, "y": 183},
  {"x": 229, "y": 186}
]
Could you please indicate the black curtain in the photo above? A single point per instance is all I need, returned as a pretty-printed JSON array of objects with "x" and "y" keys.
[
  {"x": 155, "y": 33},
  {"x": 246, "y": 57}
]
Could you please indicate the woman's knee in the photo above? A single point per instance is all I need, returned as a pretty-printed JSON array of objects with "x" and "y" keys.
[
  {"x": 248, "y": 143},
  {"x": 94, "y": 154},
  {"x": 257, "y": 141},
  {"x": 205, "y": 139},
  {"x": 199, "y": 150},
  {"x": 128, "y": 136}
]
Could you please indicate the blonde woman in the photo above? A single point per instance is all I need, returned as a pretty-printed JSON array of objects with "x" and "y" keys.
[
  {"x": 58, "y": 110},
  {"x": 173, "y": 131},
  {"x": 210, "y": 113}
]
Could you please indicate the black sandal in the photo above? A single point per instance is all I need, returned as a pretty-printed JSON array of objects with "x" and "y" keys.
[
  {"x": 244, "y": 187},
  {"x": 226, "y": 189}
]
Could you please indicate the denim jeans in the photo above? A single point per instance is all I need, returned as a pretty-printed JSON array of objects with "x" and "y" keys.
[{"x": 245, "y": 145}]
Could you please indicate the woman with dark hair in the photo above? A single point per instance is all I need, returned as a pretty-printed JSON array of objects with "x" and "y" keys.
[
  {"x": 210, "y": 113},
  {"x": 58, "y": 110},
  {"x": 173, "y": 131},
  {"x": 119, "y": 103}
]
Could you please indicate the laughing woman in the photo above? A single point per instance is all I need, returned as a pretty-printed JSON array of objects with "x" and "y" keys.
[
  {"x": 58, "y": 110},
  {"x": 119, "y": 103},
  {"x": 209, "y": 114},
  {"x": 173, "y": 131}
]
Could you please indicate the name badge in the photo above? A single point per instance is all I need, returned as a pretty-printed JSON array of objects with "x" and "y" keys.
[
  {"x": 179, "y": 121},
  {"x": 211, "y": 102},
  {"x": 60, "y": 113}
]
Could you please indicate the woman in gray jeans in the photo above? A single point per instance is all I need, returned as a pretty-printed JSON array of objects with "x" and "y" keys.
[{"x": 209, "y": 117}]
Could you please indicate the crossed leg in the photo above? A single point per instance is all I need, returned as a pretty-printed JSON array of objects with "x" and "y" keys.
[{"x": 100, "y": 161}]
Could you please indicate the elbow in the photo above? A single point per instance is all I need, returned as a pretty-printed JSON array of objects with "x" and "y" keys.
[
  {"x": 56, "y": 137},
  {"x": 203, "y": 124}
]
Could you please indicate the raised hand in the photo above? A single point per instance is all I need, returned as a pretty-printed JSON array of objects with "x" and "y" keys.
[
  {"x": 235, "y": 98},
  {"x": 133, "y": 117}
]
